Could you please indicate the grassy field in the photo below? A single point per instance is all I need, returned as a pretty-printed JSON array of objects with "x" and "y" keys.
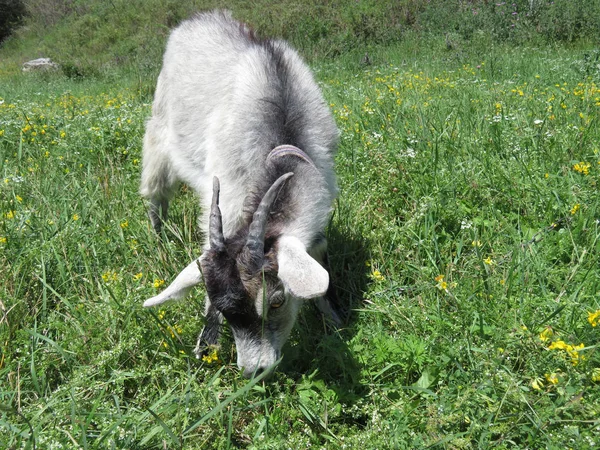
[{"x": 465, "y": 239}]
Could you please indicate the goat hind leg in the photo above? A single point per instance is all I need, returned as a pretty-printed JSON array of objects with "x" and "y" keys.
[{"x": 158, "y": 177}]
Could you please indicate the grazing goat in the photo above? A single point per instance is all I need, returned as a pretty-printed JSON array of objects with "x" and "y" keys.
[{"x": 242, "y": 121}]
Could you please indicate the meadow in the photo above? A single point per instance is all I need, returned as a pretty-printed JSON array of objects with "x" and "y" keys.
[{"x": 465, "y": 242}]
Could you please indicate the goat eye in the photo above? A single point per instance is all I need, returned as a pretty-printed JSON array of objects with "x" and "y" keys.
[{"x": 277, "y": 302}]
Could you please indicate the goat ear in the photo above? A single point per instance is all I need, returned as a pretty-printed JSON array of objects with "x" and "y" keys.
[
  {"x": 300, "y": 273},
  {"x": 180, "y": 287}
]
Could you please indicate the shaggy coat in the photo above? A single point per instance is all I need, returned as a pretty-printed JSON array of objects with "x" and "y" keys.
[{"x": 246, "y": 111}]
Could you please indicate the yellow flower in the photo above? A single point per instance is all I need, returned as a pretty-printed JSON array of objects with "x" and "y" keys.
[
  {"x": 489, "y": 261},
  {"x": 124, "y": 224},
  {"x": 546, "y": 334},
  {"x": 176, "y": 329},
  {"x": 10, "y": 215},
  {"x": 161, "y": 314},
  {"x": 18, "y": 198},
  {"x": 596, "y": 374},
  {"x": 158, "y": 283},
  {"x": 594, "y": 318},
  {"x": 551, "y": 378},
  {"x": 439, "y": 278},
  {"x": 558, "y": 345},
  {"x": 376, "y": 275},
  {"x": 571, "y": 350},
  {"x": 575, "y": 208},
  {"x": 137, "y": 276},
  {"x": 2, "y": 240},
  {"x": 537, "y": 384},
  {"x": 109, "y": 276},
  {"x": 75, "y": 217},
  {"x": 211, "y": 357},
  {"x": 582, "y": 167}
]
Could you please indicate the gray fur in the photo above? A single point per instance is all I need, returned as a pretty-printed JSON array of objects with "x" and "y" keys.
[{"x": 225, "y": 99}]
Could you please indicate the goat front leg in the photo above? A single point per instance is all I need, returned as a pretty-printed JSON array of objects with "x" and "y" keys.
[{"x": 209, "y": 336}]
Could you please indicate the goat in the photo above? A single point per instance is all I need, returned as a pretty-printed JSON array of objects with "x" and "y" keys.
[{"x": 242, "y": 122}]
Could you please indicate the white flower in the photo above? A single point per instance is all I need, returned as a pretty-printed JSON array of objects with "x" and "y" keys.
[{"x": 538, "y": 121}]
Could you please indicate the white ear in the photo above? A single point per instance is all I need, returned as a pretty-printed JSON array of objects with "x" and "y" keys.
[
  {"x": 302, "y": 276},
  {"x": 180, "y": 287}
]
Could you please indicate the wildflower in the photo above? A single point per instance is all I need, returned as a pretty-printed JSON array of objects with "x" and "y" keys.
[
  {"x": 558, "y": 345},
  {"x": 596, "y": 375},
  {"x": 124, "y": 224},
  {"x": 546, "y": 334},
  {"x": 571, "y": 350},
  {"x": 477, "y": 244},
  {"x": 10, "y": 215},
  {"x": 575, "y": 208},
  {"x": 376, "y": 275},
  {"x": 441, "y": 284},
  {"x": 538, "y": 121},
  {"x": 211, "y": 357},
  {"x": 489, "y": 261},
  {"x": 75, "y": 217},
  {"x": 158, "y": 283},
  {"x": 551, "y": 378},
  {"x": 2, "y": 240},
  {"x": 109, "y": 276},
  {"x": 176, "y": 329},
  {"x": 137, "y": 276},
  {"x": 62, "y": 134},
  {"x": 161, "y": 314},
  {"x": 537, "y": 384},
  {"x": 594, "y": 318},
  {"x": 582, "y": 167},
  {"x": 18, "y": 198}
]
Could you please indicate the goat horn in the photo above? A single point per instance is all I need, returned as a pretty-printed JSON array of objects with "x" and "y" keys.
[
  {"x": 215, "y": 225},
  {"x": 255, "y": 244}
]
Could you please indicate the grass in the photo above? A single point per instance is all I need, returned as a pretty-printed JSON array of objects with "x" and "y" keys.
[{"x": 465, "y": 238}]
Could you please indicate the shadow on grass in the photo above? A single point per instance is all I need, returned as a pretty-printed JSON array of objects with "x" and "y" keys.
[{"x": 317, "y": 347}]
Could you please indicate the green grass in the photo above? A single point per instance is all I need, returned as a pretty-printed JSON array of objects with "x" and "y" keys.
[{"x": 470, "y": 164}]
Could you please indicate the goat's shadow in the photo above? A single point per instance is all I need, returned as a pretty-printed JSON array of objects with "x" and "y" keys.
[{"x": 318, "y": 348}]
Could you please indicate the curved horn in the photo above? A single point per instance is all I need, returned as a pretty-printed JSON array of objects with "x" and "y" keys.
[
  {"x": 215, "y": 224},
  {"x": 255, "y": 244}
]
